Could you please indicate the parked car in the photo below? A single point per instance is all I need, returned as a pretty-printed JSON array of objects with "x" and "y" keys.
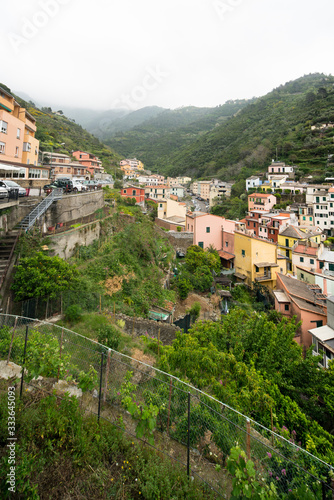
[
  {"x": 13, "y": 188},
  {"x": 92, "y": 185},
  {"x": 3, "y": 192},
  {"x": 78, "y": 186},
  {"x": 62, "y": 182}
]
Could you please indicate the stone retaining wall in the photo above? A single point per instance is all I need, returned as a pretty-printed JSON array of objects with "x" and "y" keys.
[{"x": 141, "y": 326}]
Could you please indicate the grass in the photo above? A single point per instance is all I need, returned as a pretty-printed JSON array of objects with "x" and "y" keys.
[{"x": 63, "y": 454}]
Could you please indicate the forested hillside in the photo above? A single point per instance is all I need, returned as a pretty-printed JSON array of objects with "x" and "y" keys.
[
  {"x": 156, "y": 140},
  {"x": 277, "y": 125}
]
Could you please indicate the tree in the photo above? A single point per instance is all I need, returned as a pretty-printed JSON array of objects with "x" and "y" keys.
[
  {"x": 118, "y": 184},
  {"x": 41, "y": 276}
]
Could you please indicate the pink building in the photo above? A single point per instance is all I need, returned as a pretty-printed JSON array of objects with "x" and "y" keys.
[
  {"x": 305, "y": 301},
  {"x": 207, "y": 229},
  {"x": 261, "y": 201}
]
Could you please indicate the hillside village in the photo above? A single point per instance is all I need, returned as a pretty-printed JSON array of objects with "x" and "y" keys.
[
  {"x": 288, "y": 250},
  {"x": 145, "y": 229}
]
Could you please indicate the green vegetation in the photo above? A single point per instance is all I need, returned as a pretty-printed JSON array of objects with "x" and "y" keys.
[
  {"x": 62, "y": 453},
  {"x": 129, "y": 265},
  {"x": 251, "y": 362},
  {"x": 158, "y": 139},
  {"x": 54, "y": 130},
  {"x": 196, "y": 272},
  {"x": 275, "y": 125},
  {"x": 41, "y": 276}
]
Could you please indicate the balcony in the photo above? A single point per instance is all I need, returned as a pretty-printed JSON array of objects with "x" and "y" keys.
[{"x": 263, "y": 277}]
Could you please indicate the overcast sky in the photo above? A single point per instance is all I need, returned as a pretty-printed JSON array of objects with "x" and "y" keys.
[{"x": 129, "y": 53}]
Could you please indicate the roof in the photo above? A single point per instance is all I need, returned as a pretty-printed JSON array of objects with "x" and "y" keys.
[
  {"x": 324, "y": 334},
  {"x": 259, "y": 195},
  {"x": 225, "y": 255},
  {"x": 327, "y": 256},
  {"x": 292, "y": 232},
  {"x": 307, "y": 250},
  {"x": 302, "y": 293},
  {"x": 281, "y": 296}
]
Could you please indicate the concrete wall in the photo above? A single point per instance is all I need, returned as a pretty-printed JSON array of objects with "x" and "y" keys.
[
  {"x": 180, "y": 241},
  {"x": 70, "y": 207},
  {"x": 65, "y": 244}
]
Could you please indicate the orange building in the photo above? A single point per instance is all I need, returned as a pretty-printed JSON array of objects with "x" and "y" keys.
[
  {"x": 90, "y": 161},
  {"x": 17, "y": 132}
]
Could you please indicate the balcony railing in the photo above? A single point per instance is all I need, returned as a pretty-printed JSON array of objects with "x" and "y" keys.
[{"x": 263, "y": 277}]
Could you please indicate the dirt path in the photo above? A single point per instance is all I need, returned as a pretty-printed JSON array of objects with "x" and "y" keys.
[{"x": 209, "y": 306}]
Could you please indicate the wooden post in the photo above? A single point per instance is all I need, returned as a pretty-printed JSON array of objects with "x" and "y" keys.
[
  {"x": 12, "y": 340},
  {"x": 100, "y": 303},
  {"x": 106, "y": 377},
  {"x": 159, "y": 343},
  {"x": 46, "y": 309},
  {"x": 248, "y": 445},
  {"x": 7, "y": 308},
  {"x": 61, "y": 346},
  {"x": 169, "y": 403}
]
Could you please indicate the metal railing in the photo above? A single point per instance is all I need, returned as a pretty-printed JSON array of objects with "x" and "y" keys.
[
  {"x": 191, "y": 426},
  {"x": 29, "y": 220}
]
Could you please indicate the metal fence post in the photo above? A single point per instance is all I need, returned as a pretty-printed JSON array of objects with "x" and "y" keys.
[
  {"x": 188, "y": 438},
  {"x": 24, "y": 359},
  {"x": 248, "y": 446},
  {"x": 100, "y": 391}
]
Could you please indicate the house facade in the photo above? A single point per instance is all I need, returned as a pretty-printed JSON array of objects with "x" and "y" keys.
[
  {"x": 206, "y": 228},
  {"x": 18, "y": 143},
  {"x": 134, "y": 192},
  {"x": 303, "y": 300},
  {"x": 90, "y": 161},
  {"x": 261, "y": 201},
  {"x": 256, "y": 260}
]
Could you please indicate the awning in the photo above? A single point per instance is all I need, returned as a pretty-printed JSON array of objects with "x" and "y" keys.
[
  {"x": 240, "y": 276},
  {"x": 158, "y": 316},
  {"x": 9, "y": 167},
  {"x": 225, "y": 255},
  {"x": 265, "y": 264}
]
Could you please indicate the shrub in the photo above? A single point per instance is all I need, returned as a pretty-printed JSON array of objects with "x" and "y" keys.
[
  {"x": 73, "y": 313},
  {"x": 109, "y": 336}
]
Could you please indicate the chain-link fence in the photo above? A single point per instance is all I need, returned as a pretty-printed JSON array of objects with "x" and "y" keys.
[{"x": 179, "y": 420}]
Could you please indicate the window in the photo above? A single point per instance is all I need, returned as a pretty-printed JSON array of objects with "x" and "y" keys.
[
  {"x": 124, "y": 191},
  {"x": 200, "y": 244},
  {"x": 321, "y": 265},
  {"x": 160, "y": 205},
  {"x": 26, "y": 146},
  {"x": 18, "y": 133},
  {"x": 17, "y": 149},
  {"x": 311, "y": 261},
  {"x": 286, "y": 307},
  {"x": 243, "y": 253},
  {"x": 302, "y": 276},
  {"x": 2, "y": 147},
  {"x": 304, "y": 218},
  {"x": 207, "y": 229},
  {"x": 3, "y": 127},
  {"x": 34, "y": 173},
  {"x": 134, "y": 192},
  {"x": 331, "y": 267},
  {"x": 36, "y": 150},
  {"x": 257, "y": 269},
  {"x": 286, "y": 242},
  {"x": 301, "y": 259},
  {"x": 226, "y": 243},
  {"x": 317, "y": 199}
]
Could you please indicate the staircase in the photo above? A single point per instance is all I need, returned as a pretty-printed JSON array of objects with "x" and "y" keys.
[
  {"x": 30, "y": 219},
  {"x": 7, "y": 247}
]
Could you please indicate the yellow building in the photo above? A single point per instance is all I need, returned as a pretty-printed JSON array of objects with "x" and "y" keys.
[
  {"x": 291, "y": 235},
  {"x": 257, "y": 260}
]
